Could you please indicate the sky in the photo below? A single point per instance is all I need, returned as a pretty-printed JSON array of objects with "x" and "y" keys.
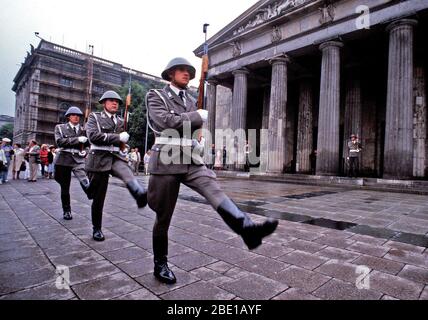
[{"x": 139, "y": 34}]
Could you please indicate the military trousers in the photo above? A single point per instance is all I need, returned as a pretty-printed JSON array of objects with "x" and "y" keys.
[
  {"x": 99, "y": 183},
  {"x": 162, "y": 197},
  {"x": 63, "y": 177}
]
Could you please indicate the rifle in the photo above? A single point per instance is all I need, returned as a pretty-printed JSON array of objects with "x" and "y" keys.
[
  {"x": 125, "y": 116},
  {"x": 204, "y": 71},
  {"x": 82, "y": 152}
]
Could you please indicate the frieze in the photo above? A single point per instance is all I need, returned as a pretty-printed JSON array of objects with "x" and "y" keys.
[
  {"x": 269, "y": 12},
  {"x": 276, "y": 34}
]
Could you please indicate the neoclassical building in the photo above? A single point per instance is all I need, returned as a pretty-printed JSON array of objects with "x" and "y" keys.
[{"x": 311, "y": 72}]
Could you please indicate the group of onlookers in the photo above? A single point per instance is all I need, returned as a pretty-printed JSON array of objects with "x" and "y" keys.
[
  {"x": 31, "y": 160},
  {"x": 134, "y": 160}
]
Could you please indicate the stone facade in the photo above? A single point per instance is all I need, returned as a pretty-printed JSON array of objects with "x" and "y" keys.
[{"x": 317, "y": 71}]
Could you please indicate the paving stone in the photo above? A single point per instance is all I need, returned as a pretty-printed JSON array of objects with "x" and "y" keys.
[
  {"x": 272, "y": 250},
  {"x": 340, "y": 270},
  {"x": 407, "y": 227},
  {"x": 337, "y": 242},
  {"x": 16, "y": 254},
  {"x": 372, "y": 250},
  {"x": 11, "y": 283},
  {"x": 303, "y": 259},
  {"x": 192, "y": 260},
  {"x": 368, "y": 239},
  {"x": 140, "y": 294},
  {"x": 205, "y": 274},
  {"x": 125, "y": 254},
  {"x": 110, "y": 244},
  {"x": 386, "y": 297},
  {"x": 200, "y": 290},
  {"x": 295, "y": 294},
  {"x": 407, "y": 257},
  {"x": 220, "y": 266},
  {"x": 300, "y": 278},
  {"x": 307, "y": 246},
  {"x": 424, "y": 295},
  {"x": 263, "y": 266},
  {"x": 339, "y": 290},
  {"x": 404, "y": 247},
  {"x": 78, "y": 258},
  {"x": 394, "y": 286},
  {"x": 87, "y": 272},
  {"x": 184, "y": 278},
  {"x": 380, "y": 264},
  {"x": 254, "y": 287},
  {"x": 106, "y": 288},
  {"x": 338, "y": 254},
  {"x": 415, "y": 274},
  {"x": 23, "y": 265},
  {"x": 47, "y": 291},
  {"x": 138, "y": 267},
  {"x": 236, "y": 273}
]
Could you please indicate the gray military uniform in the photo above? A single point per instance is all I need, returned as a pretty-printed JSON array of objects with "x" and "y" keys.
[
  {"x": 168, "y": 111},
  {"x": 69, "y": 160},
  {"x": 104, "y": 158}
]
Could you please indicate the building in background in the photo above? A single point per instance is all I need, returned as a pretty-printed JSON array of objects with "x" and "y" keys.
[
  {"x": 53, "y": 77},
  {"x": 5, "y": 119},
  {"x": 311, "y": 72}
]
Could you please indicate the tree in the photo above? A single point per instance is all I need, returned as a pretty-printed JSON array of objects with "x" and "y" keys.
[
  {"x": 136, "y": 126},
  {"x": 6, "y": 131}
]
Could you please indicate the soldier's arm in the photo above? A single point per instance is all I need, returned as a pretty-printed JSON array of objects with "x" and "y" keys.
[
  {"x": 164, "y": 119},
  {"x": 100, "y": 138},
  {"x": 65, "y": 142}
]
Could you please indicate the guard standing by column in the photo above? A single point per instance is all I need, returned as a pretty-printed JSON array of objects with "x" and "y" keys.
[
  {"x": 69, "y": 138},
  {"x": 106, "y": 134},
  {"x": 172, "y": 108}
]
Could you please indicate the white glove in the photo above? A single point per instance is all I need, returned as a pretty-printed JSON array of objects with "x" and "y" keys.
[
  {"x": 83, "y": 139},
  {"x": 204, "y": 114},
  {"x": 124, "y": 137}
]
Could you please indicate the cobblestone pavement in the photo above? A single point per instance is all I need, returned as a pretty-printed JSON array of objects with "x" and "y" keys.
[{"x": 331, "y": 243}]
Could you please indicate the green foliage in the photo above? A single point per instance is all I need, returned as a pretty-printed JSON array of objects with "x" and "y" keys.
[{"x": 6, "y": 131}]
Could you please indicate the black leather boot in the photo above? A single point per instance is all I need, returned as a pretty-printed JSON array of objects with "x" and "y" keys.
[
  {"x": 67, "y": 215},
  {"x": 162, "y": 272},
  {"x": 252, "y": 233},
  {"x": 138, "y": 192},
  {"x": 85, "y": 184},
  {"x": 98, "y": 235}
]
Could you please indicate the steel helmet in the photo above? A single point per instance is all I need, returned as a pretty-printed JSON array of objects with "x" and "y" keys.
[
  {"x": 74, "y": 110},
  {"x": 176, "y": 62},
  {"x": 110, "y": 95}
]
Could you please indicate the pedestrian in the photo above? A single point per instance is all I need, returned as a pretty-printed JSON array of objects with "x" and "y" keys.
[
  {"x": 137, "y": 161},
  {"x": 3, "y": 162},
  {"x": 51, "y": 157},
  {"x": 18, "y": 163},
  {"x": 146, "y": 161},
  {"x": 8, "y": 152},
  {"x": 224, "y": 158},
  {"x": 173, "y": 162},
  {"x": 71, "y": 141},
  {"x": 106, "y": 134},
  {"x": 44, "y": 160},
  {"x": 33, "y": 160},
  {"x": 355, "y": 148}
]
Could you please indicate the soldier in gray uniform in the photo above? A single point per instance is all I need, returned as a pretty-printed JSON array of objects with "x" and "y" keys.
[
  {"x": 171, "y": 164},
  {"x": 106, "y": 134},
  {"x": 69, "y": 138}
]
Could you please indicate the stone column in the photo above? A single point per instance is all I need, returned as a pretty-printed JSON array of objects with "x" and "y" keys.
[
  {"x": 353, "y": 109},
  {"x": 239, "y": 115},
  {"x": 420, "y": 161},
  {"x": 398, "y": 160},
  {"x": 277, "y": 115},
  {"x": 304, "y": 130},
  {"x": 264, "y": 153},
  {"x": 329, "y": 110}
]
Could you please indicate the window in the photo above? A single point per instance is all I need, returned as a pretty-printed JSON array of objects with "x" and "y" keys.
[{"x": 66, "y": 82}]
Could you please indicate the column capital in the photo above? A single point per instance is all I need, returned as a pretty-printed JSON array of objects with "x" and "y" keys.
[
  {"x": 329, "y": 44},
  {"x": 240, "y": 71},
  {"x": 280, "y": 59},
  {"x": 401, "y": 23},
  {"x": 213, "y": 82}
]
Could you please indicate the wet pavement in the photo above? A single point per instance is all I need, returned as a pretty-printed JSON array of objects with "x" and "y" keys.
[{"x": 331, "y": 243}]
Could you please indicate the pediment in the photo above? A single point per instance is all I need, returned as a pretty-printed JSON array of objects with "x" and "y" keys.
[{"x": 262, "y": 12}]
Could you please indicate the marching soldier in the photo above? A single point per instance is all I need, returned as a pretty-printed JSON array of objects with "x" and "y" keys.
[
  {"x": 172, "y": 108},
  {"x": 70, "y": 137},
  {"x": 106, "y": 134}
]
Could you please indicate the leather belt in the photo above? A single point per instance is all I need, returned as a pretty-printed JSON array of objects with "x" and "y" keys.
[
  {"x": 105, "y": 148},
  {"x": 183, "y": 142}
]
